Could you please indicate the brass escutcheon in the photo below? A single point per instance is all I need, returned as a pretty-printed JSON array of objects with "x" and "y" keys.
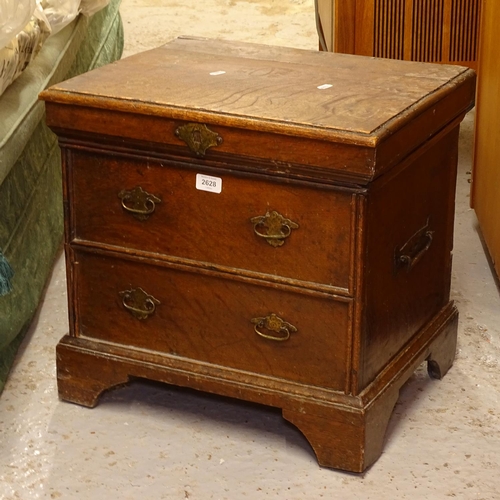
[
  {"x": 198, "y": 137},
  {"x": 138, "y": 303},
  {"x": 138, "y": 202},
  {"x": 277, "y": 228},
  {"x": 275, "y": 324}
]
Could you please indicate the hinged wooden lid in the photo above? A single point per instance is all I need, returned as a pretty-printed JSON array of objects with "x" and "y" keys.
[{"x": 334, "y": 97}]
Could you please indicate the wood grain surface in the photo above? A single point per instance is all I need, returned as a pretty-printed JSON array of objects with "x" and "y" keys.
[
  {"x": 264, "y": 84},
  {"x": 362, "y": 171}
]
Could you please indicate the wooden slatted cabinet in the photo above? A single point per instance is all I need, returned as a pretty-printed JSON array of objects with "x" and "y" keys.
[{"x": 443, "y": 31}]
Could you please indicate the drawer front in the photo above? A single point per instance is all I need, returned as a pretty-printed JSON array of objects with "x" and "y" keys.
[
  {"x": 230, "y": 323},
  {"x": 278, "y": 228}
]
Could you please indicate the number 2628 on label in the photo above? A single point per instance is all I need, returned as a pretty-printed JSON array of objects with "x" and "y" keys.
[{"x": 208, "y": 183}]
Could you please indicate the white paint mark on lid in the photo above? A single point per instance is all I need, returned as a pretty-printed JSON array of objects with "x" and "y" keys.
[
  {"x": 325, "y": 86},
  {"x": 217, "y": 73}
]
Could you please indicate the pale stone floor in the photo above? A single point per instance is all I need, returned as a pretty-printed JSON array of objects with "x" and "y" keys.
[{"x": 150, "y": 441}]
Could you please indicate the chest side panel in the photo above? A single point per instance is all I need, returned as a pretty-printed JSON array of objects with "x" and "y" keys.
[{"x": 409, "y": 240}]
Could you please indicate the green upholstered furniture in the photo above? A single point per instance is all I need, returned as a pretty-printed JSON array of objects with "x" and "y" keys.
[{"x": 31, "y": 219}]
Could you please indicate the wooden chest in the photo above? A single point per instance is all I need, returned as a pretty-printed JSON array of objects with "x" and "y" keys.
[{"x": 270, "y": 224}]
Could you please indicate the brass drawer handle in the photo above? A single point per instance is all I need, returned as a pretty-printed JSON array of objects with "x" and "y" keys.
[
  {"x": 139, "y": 303},
  {"x": 273, "y": 227},
  {"x": 275, "y": 324},
  {"x": 198, "y": 137},
  {"x": 138, "y": 202},
  {"x": 414, "y": 249}
]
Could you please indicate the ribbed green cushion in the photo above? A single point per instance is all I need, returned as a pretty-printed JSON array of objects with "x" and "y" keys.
[{"x": 31, "y": 221}]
